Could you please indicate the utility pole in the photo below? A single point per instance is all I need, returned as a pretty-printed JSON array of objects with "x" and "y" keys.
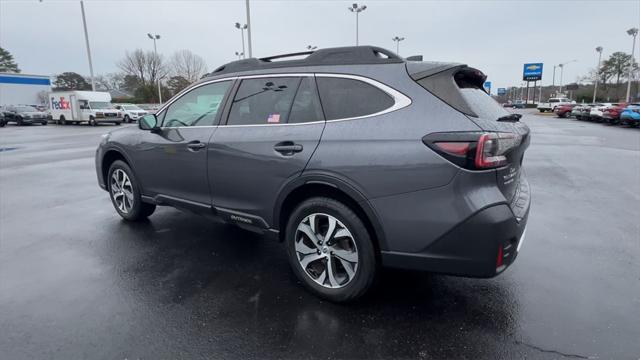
[
  {"x": 595, "y": 88},
  {"x": 633, "y": 32},
  {"x": 155, "y": 51},
  {"x": 248, "y": 29},
  {"x": 357, "y": 10},
  {"x": 86, "y": 39}
]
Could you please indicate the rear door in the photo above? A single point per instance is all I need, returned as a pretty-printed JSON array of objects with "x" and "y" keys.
[{"x": 273, "y": 126}]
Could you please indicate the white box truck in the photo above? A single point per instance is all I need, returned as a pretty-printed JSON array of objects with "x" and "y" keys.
[{"x": 92, "y": 107}]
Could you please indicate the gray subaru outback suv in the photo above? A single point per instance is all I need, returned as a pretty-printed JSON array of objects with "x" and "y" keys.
[{"x": 354, "y": 157}]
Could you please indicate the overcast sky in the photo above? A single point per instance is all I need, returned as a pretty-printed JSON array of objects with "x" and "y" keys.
[{"x": 497, "y": 37}]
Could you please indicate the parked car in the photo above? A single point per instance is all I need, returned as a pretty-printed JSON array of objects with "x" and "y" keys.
[
  {"x": 24, "y": 114},
  {"x": 611, "y": 114},
  {"x": 149, "y": 108},
  {"x": 518, "y": 104},
  {"x": 2, "y": 119},
  {"x": 631, "y": 115},
  {"x": 564, "y": 111},
  {"x": 581, "y": 111},
  {"x": 403, "y": 164},
  {"x": 552, "y": 103},
  {"x": 596, "y": 112},
  {"x": 131, "y": 112}
]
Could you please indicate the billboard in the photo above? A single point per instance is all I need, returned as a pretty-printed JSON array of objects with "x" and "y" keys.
[{"x": 532, "y": 72}]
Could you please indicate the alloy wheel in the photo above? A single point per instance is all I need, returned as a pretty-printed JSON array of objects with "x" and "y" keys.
[
  {"x": 122, "y": 191},
  {"x": 326, "y": 250}
]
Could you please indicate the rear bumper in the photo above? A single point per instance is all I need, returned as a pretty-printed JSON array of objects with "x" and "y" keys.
[{"x": 472, "y": 247}]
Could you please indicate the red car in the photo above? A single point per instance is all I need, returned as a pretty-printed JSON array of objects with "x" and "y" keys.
[
  {"x": 611, "y": 114},
  {"x": 564, "y": 111}
]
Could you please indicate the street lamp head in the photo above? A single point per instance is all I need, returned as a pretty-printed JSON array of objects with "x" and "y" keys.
[
  {"x": 599, "y": 49},
  {"x": 364, "y": 7},
  {"x": 354, "y": 6},
  {"x": 157, "y": 37},
  {"x": 632, "y": 31},
  {"x": 150, "y": 36}
]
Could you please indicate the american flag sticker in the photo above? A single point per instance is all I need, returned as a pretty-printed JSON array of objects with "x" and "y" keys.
[{"x": 273, "y": 118}]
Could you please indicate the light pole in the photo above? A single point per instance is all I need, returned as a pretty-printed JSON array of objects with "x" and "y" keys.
[
  {"x": 86, "y": 39},
  {"x": 239, "y": 55},
  {"x": 248, "y": 26},
  {"x": 561, "y": 66},
  {"x": 311, "y": 47},
  {"x": 155, "y": 51},
  {"x": 633, "y": 32},
  {"x": 553, "y": 82},
  {"x": 397, "y": 40},
  {"x": 595, "y": 88},
  {"x": 241, "y": 27},
  {"x": 357, "y": 10}
]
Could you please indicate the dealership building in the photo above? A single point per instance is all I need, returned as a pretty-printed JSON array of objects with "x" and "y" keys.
[{"x": 23, "y": 89}]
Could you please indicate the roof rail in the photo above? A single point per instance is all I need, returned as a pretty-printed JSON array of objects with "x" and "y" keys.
[{"x": 350, "y": 55}]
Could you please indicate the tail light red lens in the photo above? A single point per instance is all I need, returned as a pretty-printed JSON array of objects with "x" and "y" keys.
[{"x": 474, "y": 150}]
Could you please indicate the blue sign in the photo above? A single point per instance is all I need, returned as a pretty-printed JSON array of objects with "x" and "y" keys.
[
  {"x": 532, "y": 72},
  {"x": 487, "y": 86},
  {"x": 502, "y": 91}
]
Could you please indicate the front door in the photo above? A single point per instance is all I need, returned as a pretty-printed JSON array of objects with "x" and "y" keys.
[
  {"x": 172, "y": 162},
  {"x": 273, "y": 127}
]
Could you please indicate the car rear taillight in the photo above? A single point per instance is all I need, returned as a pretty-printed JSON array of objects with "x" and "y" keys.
[{"x": 474, "y": 150}]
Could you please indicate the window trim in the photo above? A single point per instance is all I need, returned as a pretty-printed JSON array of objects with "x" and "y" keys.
[{"x": 400, "y": 100}]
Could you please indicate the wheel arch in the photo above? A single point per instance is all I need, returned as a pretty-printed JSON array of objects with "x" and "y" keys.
[
  {"x": 306, "y": 187},
  {"x": 110, "y": 156}
]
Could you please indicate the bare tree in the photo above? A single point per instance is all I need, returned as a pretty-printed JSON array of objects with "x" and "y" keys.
[
  {"x": 146, "y": 66},
  {"x": 187, "y": 65},
  {"x": 110, "y": 81}
]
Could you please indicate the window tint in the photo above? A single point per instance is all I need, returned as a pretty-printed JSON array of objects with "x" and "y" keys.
[
  {"x": 345, "y": 98},
  {"x": 482, "y": 104},
  {"x": 306, "y": 106},
  {"x": 263, "y": 101},
  {"x": 197, "y": 107}
]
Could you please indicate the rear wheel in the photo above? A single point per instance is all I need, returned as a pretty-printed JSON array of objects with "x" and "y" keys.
[
  {"x": 127, "y": 119},
  {"x": 63, "y": 121},
  {"x": 19, "y": 121},
  {"x": 125, "y": 193},
  {"x": 330, "y": 249}
]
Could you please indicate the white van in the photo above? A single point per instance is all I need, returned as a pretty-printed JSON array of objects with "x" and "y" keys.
[{"x": 74, "y": 107}]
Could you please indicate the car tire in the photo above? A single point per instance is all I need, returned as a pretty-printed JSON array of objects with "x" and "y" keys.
[
  {"x": 117, "y": 123},
  {"x": 92, "y": 121},
  {"x": 125, "y": 193},
  {"x": 348, "y": 280},
  {"x": 44, "y": 123},
  {"x": 63, "y": 121},
  {"x": 127, "y": 119},
  {"x": 19, "y": 121}
]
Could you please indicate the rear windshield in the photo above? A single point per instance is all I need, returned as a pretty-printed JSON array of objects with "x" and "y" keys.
[
  {"x": 462, "y": 89},
  {"x": 482, "y": 104}
]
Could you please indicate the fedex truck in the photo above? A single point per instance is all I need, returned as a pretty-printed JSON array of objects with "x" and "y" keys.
[{"x": 74, "y": 107}]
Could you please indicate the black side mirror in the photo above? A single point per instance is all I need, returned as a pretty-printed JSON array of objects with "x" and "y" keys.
[{"x": 148, "y": 122}]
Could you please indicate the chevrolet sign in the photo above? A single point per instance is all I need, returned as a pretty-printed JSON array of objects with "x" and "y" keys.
[{"x": 532, "y": 72}]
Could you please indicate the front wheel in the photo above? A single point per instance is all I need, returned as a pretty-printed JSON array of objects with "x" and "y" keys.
[
  {"x": 330, "y": 249},
  {"x": 19, "y": 121},
  {"x": 92, "y": 121},
  {"x": 125, "y": 193}
]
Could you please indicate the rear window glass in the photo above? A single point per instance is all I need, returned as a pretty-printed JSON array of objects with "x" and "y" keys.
[
  {"x": 263, "y": 101},
  {"x": 482, "y": 104},
  {"x": 347, "y": 98}
]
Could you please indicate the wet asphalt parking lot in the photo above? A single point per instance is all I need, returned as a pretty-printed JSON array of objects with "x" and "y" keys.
[{"x": 78, "y": 282}]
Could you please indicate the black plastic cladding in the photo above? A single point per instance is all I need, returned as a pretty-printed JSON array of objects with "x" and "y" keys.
[{"x": 350, "y": 55}]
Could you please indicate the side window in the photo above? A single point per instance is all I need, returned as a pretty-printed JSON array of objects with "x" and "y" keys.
[
  {"x": 198, "y": 107},
  {"x": 84, "y": 104},
  {"x": 306, "y": 106},
  {"x": 263, "y": 101},
  {"x": 346, "y": 98}
]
